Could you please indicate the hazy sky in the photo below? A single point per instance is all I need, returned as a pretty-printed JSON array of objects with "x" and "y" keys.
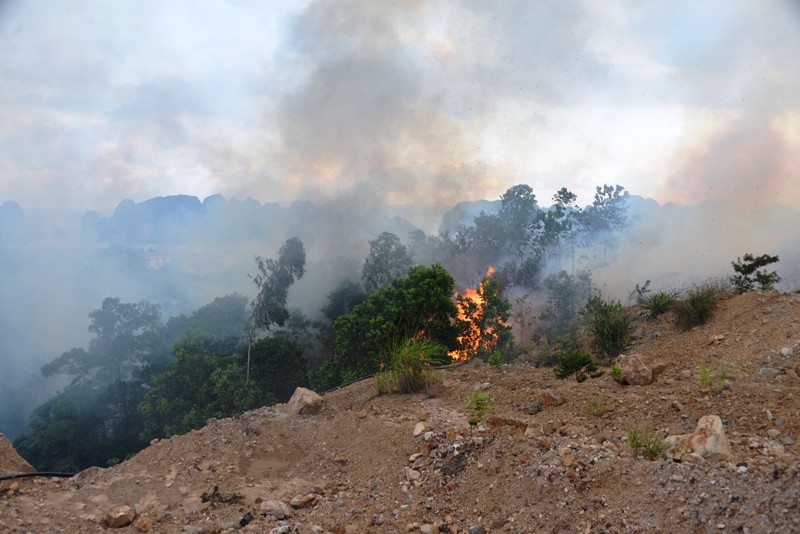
[{"x": 425, "y": 102}]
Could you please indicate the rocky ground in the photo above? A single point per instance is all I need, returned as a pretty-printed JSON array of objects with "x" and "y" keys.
[{"x": 540, "y": 461}]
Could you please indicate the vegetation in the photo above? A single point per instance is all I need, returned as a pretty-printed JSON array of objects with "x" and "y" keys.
[
  {"x": 616, "y": 372},
  {"x": 496, "y": 360},
  {"x": 410, "y": 368},
  {"x": 419, "y": 305},
  {"x": 647, "y": 444},
  {"x": 697, "y": 307},
  {"x": 609, "y": 325},
  {"x": 577, "y": 363},
  {"x": 140, "y": 377},
  {"x": 659, "y": 303},
  {"x": 479, "y": 403},
  {"x": 749, "y": 273},
  {"x": 705, "y": 376},
  {"x": 388, "y": 260},
  {"x": 567, "y": 296}
]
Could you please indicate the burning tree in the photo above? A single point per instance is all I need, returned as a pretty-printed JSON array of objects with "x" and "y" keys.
[{"x": 482, "y": 320}]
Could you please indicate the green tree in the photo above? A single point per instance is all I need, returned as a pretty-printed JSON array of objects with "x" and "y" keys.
[
  {"x": 195, "y": 386},
  {"x": 419, "y": 305},
  {"x": 126, "y": 338},
  {"x": 274, "y": 278},
  {"x": 567, "y": 297},
  {"x": 388, "y": 259},
  {"x": 749, "y": 272}
]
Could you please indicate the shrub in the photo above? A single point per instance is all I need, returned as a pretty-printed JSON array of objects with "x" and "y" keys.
[
  {"x": 696, "y": 308},
  {"x": 548, "y": 356},
  {"x": 616, "y": 372},
  {"x": 646, "y": 444},
  {"x": 749, "y": 273},
  {"x": 577, "y": 363},
  {"x": 479, "y": 403},
  {"x": 659, "y": 303},
  {"x": 496, "y": 360},
  {"x": 609, "y": 325},
  {"x": 410, "y": 367}
]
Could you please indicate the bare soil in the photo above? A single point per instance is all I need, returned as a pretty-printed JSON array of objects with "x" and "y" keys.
[{"x": 528, "y": 467}]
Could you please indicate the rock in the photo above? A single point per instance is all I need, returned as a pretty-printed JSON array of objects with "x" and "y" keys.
[
  {"x": 426, "y": 528},
  {"x": 305, "y": 402},
  {"x": 707, "y": 441},
  {"x": 787, "y": 351},
  {"x": 635, "y": 372},
  {"x": 550, "y": 398},
  {"x": 377, "y": 520},
  {"x": 412, "y": 474},
  {"x": 10, "y": 460},
  {"x": 143, "y": 524},
  {"x": 304, "y": 501},
  {"x": 768, "y": 372},
  {"x": 120, "y": 516},
  {"x": 419, "y": 429},
  {"x": 455, "y": 465},
  {"x": 275, "y": 508},
  {"x": 478, "y": 529},
  {"x": 567, "y": 456}
]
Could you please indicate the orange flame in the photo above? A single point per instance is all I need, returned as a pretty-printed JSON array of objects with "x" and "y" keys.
[{"x": 470, "y": 310}]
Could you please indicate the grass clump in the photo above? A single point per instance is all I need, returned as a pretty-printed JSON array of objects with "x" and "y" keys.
[
  {"x": 410, "y": 367},
  {"x": 697, "y": 308},
  {"x": 616, "y": 372},
  {"x": 609, "y": 325},
  {"x": 659, "y": 303},
  {"x": 647, "y": 444}
]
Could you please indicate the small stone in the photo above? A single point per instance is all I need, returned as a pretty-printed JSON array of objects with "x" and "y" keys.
[
  {"x": 143, "y": 524},
  {"x": 14, "y": 486},
  {"x": 787, "y": 351},
  {"x": 412, "y": 474},
  {"x": 419, "y": 429},
  {"x": 478, "y": 529},
  {"x": 120, "y": 516},
  {"x": 275, "y": 508},
  {"x": 426, "y": 529},
  {"x": 768, "y": 372},
  {"x": 427, "y": 436},
  {"x": 303, "y": 501},
  {"x": 550, "y": 398},
  {"x": 773, "y": 433},
  {"x": 567, "y": 456},
  {"x": 377, "y": 520}
]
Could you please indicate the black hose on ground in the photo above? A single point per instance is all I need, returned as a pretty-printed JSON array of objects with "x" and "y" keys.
[{"x": 37, "y": 474}]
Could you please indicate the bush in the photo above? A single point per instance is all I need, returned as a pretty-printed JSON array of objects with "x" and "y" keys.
[
  {"x": 696, "y": 308},
  {"x": 577, "y": 363},
  {"x": 496, "y": 360},
  {"x": 749, "y": 273},
  {"x": 410, "y": 367},
  {"x": 609, "y": 326},
  {"x": 479, "y": 402},
  {"x": 659, "y": 303},
  {"x": 548, "y": 356}
]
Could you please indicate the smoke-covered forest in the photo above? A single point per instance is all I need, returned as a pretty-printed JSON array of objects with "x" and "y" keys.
[{"x": 148, "y": 321}]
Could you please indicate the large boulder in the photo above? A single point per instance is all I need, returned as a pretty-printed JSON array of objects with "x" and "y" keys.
[
  {"x": 636, "y": 371},
  {"x": 305, "y": 402},
  {"x": 707, "y": 441},
  {"x": 10, "y": 460}
]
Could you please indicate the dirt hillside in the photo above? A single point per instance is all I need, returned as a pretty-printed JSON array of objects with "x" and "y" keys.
[{"x": 540, "y": 461}]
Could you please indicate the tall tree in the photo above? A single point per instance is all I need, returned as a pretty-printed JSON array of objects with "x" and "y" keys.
[
  {"x": 273, "y": 279},
  {"x": 388, "y": 259}
]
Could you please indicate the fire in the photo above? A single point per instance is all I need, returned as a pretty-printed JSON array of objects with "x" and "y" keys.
[{"x": 471, "y": 307}]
